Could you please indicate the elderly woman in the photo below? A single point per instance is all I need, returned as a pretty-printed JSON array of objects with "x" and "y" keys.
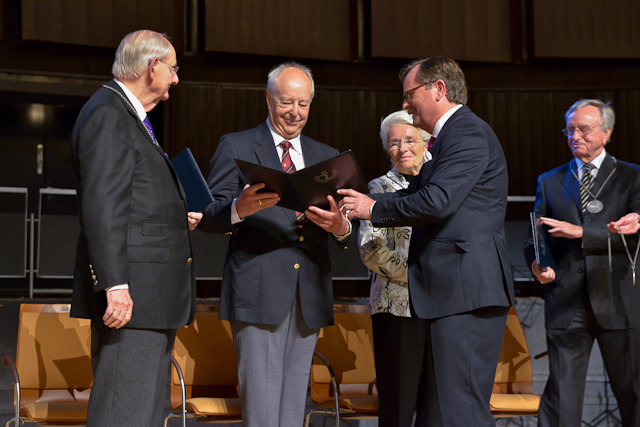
[{"x": 384, "y": 251}]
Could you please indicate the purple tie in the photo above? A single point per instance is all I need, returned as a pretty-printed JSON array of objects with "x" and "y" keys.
[
  {"x": 289, "y": 167},
  {"x": 147, "y": 123}
]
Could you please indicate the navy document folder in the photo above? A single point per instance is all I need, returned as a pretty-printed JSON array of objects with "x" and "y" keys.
[
  {"x": 311, "y": 185},
  {"x": 194, "y": 185}
]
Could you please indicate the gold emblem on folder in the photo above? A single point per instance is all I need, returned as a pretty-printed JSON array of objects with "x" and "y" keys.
[{"x": 325, "y": 176}]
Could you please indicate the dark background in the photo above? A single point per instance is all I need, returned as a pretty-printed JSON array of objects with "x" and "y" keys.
[{"x": 526, "y": 62}]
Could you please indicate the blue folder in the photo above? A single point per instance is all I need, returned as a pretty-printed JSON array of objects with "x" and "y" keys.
[{"x": 194, "y": 185}]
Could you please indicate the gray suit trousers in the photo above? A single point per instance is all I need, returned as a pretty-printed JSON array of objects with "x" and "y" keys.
[
  {"x": 273, "y": 369},
  {"x": 131, "y": 373}
]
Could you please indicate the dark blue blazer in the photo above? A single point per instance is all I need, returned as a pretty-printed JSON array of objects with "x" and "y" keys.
[
  {"x": 458, "y": 255},
  {"x": 268, "y": 255}
]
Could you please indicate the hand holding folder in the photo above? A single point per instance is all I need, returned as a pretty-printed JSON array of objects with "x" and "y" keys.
[{"x": 311, "y": 185}]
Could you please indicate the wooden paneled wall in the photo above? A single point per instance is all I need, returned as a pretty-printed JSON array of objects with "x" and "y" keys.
[
  {"x": 467, "y": 30},
  {"x": 100, "y": 23},
  {"x": 586, "y": 28},
  {"x": 527, "y": 122},
  {"x": 304, "y": 29}
]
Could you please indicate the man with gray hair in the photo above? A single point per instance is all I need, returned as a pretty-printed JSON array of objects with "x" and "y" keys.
[
  {"x": 591, "y": 293},
  {"x": 134, "y": 275},
  {"x": 276, "y": 286}
]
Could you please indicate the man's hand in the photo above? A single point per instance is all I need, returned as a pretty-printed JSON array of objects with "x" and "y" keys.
[
  {"x": 544, "y": 275},
  {"x": 194, "y": 219},
  {"x": 119, "y": 308},
  {"x": 355, "y": 204},
  {"x": 250, "y": 201},
  {"x": 331, "y": 221},
  {"x": 562, "y": 228},
  {"x": 629, "y": 224}
]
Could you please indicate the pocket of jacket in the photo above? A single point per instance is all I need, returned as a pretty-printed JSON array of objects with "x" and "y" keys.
[
  {"x": 154, "y": 228},
  {"x": 145, "y": 253}
]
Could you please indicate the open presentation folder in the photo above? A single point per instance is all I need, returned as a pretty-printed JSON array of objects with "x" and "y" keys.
[
  {"x": 194, "y": 185},
  {"x": 311, "y": 185},
  {"x": 541, "y": 239}
]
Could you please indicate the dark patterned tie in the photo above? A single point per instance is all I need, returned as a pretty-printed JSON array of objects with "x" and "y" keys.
[
  {"x": 587, "y": 184},
  {"x": 147, "y": 123},
  {"x": 430, "y": 144},
  {"x": 289, "y": 167}
]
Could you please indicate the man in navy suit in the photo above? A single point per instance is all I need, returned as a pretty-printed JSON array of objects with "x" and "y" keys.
[
  {"x": 134, "y": 275},
  {"x": 460, "y": 280},
  {"x": 590, "y": 294},
  {"x": 276, "y": 285}
]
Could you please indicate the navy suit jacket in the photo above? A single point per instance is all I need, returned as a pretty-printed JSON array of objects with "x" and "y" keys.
[
  {"x": 268, "y": 256},
  {"x": 456, "y": 205},
  {"x": 133, "y": 217},
  {"x": 585, "y": 261}
]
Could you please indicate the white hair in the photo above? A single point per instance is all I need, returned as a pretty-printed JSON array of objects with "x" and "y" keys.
[
  {"x": 274, "y": 75},
  {"x": 135, "y": 52},
  {"x": 399, "y": 118}
]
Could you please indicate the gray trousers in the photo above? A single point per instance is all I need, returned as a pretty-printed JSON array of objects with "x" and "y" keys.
[
  {"x": 131, "y": 373},
  {"x": 273, "y": 369}
]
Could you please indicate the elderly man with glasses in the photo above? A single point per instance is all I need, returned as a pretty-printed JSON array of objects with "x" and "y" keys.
[
  {"x": 134, "y": 275},
  {"x": 588, "y": 205}
]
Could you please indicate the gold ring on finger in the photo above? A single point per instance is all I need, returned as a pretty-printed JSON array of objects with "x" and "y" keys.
[{"x": 260, "y": 202}]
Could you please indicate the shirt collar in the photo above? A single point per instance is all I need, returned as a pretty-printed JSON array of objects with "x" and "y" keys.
[
  {"x": 277, "y": 138},
  {"x": 137, "y": 105},
  {"x": 442, "y": 120},
  {"x": 597, "y": 162}
]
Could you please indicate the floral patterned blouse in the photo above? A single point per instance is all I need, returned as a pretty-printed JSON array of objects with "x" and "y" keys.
[{"x": 385, "y": 251}]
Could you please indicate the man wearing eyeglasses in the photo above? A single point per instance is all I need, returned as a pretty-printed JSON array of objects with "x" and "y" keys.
[
  {"x": 460, "y": 281},
  {"x": 590, "y": 295},
  {"x": 134, "y": 276}
]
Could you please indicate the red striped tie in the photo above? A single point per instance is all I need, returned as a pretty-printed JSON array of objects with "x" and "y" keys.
[
  {"x": 430, "y": 144},
  {"x": 289, "y": 167}
]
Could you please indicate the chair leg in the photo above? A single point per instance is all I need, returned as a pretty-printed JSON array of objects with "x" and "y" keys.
[{"x": 166, "y": 420}]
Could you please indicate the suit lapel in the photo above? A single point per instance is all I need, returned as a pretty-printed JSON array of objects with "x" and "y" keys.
[
  {"x": 265, "y": 149},
  {"x": 143, "y": 129},
  {"x": 571, "y": 184},
  {"x": 127, "y": 104},
  {"x": 605, "y": 170},
  {"x": 309, "y": 152}
]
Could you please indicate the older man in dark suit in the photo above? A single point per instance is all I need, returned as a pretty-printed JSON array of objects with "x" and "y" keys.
[
  {"x": 591, "y": 293},
  {"x": 134, "y": 275},
  {"x": 459, "y": 274},
  {"x": 276, "y": 285}
]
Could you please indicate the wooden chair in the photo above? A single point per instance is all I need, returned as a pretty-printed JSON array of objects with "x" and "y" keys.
[
  {"x": 52, "y": 370},
  {"x": 513, "y": 386},
  {"x": 343, "y": 373},
  {"x": 204, "y": 380}
]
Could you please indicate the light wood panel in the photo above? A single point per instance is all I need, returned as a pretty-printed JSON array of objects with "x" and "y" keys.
[
  {"x": 586, "y": 29},
  {"x": 466, "y": 30},
  {"x": 290, "y": 28},
  {"x": 100, "y": 23}
]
